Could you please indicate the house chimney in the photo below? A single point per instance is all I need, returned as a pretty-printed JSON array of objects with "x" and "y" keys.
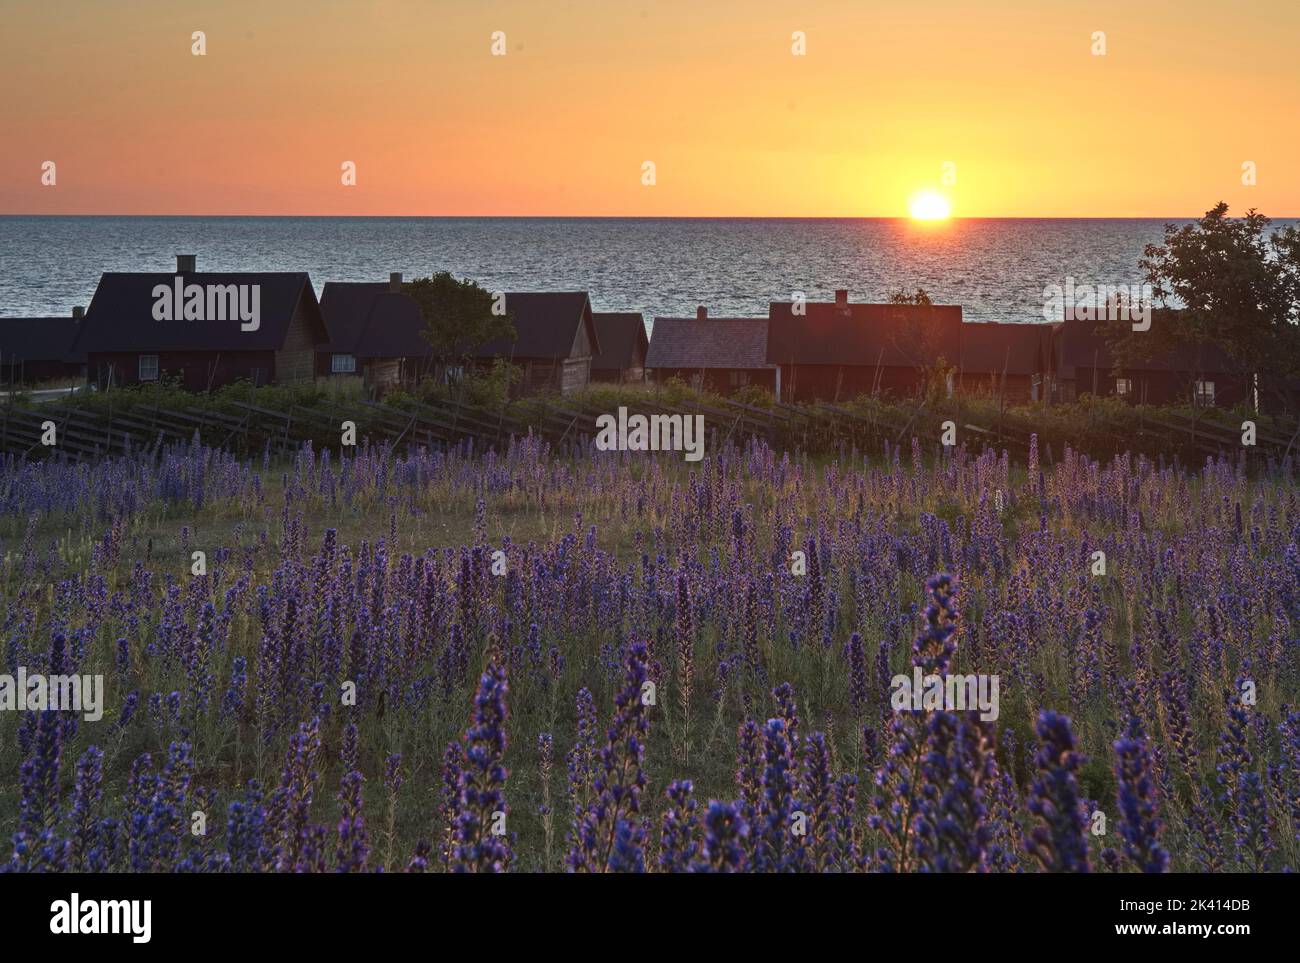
[
  {"x": 78, "y": 313},
  {"x": 701, "y": 313},
  {"x": 395, "y": 282},
  {"x": 185, "y": 263},
  {"x": 842, "y": 298}
]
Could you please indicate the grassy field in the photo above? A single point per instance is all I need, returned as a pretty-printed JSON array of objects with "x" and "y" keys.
[{"x": 378, "y": 570}]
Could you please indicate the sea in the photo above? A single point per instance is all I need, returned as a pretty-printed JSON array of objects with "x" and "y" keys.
[{"x": 996, "y": 269}]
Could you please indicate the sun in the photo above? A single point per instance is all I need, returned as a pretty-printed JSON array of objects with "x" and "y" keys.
[{"x": 930, "y": 206}]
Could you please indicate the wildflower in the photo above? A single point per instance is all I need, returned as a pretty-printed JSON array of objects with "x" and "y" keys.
[
  {"x": 1058, "y": 842},
  {"x": 609, "y": 836},
  {"x": 481, "y": 846},
  {"x": 1139, "y": 826},
  {"x": 679, "y": 837}
]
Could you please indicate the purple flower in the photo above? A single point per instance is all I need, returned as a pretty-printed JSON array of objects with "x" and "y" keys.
[
  {"x": 481, "y": 844},
  {"x": 725, "y": 840},
  {"x": 1139, "y": 825},
  {"x": 609, "y": 836},
  {"x": 679, "y": 841},
  {"x": 1058, "y": 842}
]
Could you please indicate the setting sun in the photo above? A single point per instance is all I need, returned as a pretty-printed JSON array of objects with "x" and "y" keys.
[{"x": 930, "y": 206}]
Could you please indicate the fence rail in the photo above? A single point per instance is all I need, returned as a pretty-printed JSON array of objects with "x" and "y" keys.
[{"x": 87, "y": 433}]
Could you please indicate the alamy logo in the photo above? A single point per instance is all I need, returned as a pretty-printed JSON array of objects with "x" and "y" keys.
[
  {"x": 626, "y": 432},
  {"x": 179, "y": 301},
  {"x": 74, "y": 916},
  {"x": 36, "y": 692},
  {"x": 952, "y": 693},
  {"x": 1099, "y": 302}
]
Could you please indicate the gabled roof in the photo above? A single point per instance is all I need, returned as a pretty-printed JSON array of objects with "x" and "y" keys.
[
  {"x": 891, "y": 335},
  {"x": 370, "y": 320},
  {"x": 620, "y": 336},
  {"x": 39, "y": 339},
  {"x": 547, "y": 324},
  {"x": 1082, "y": 343},
  {"x": 996, "y": 347},
  {"x": 120, "y": 316},
  {"x": 346, "y": 307},
  {"x": 708, "y": 343}
]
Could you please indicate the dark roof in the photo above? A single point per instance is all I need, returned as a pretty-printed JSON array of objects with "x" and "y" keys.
[
  {"x": 39, "y": 339},
  {"x": 395, "y": 329},
  {"x": 708, "y": 343},
  {"x": 346, "y": 306},
  {"x": 620, "y": 335},
  {"x": 120, "y": 316},
  {"x": 1082, "y": 343},
  {"x": 996, "y": 347},
  {"x": 547, "y": 324},
  {"x": 369, "y": 320},
  {"x": 891, "y": 335}
]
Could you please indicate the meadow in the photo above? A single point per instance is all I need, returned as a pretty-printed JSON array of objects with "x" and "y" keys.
[{"x": 534, "y": 661}]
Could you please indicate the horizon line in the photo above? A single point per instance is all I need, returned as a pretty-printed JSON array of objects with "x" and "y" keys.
[{"x": 674, "y": 217}]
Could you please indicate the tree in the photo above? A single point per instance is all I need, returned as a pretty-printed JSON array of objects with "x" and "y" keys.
[
  {"x": 1233, "y": 286},
  {"x": 915, "y": 336},
  {"x": 459, "y": 317},
  {"x": 902, "y": 297}
]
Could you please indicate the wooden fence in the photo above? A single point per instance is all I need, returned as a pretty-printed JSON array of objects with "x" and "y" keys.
[{"x": 568, "y": 424}]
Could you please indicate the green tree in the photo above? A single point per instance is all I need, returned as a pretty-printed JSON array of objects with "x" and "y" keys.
[
  {"x": 1227, "y": 282},
  {"x": 460, "y": 317}
]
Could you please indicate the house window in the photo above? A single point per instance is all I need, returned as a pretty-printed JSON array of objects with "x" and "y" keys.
[
  {"x": 1123, "y": 387},
  {"x": 1035, "y": 387},
  {"x": 148, "y": 367},
  {"x": 343, "y": 364},
  {"x": 739, "y": 379},
  {"x": 1205, "y": 392},
  {"x": 257, "y": 376},
  {"x": 453, "y": 374}
]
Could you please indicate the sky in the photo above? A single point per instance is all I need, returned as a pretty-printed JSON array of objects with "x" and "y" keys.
[{"x": 1002, "y": 106}]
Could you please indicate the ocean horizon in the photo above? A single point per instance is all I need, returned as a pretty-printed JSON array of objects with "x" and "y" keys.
[{"x": 995, "y": 268}]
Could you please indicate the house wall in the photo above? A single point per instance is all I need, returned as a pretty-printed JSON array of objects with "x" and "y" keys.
[
  {"x": 295, "y": 361},
  {"x": 575, "y": 374},
  {"x": 1157, "y": 387},
  {"x": 539, "y": 377},
  {"x": 197, "y": 370},
  {"x": 1012, "y": 388},
  {"x": 550, "y": 376},
  {"x": 416, "y": 368},
  {"x": 34, "y": 372},
  {"x": 382, "y": 373},
  {"x": 719, "y": 381},
  {"x": 632, "y": 374},
  {"x": 804, "y": 382}
]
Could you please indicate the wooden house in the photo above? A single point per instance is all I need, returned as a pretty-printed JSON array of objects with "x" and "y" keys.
[
  {"x": 376, "y": 333},
  {"x": 623, "y": 346},
  {"x": 555, "y": 341},
  {"x": 36, "y": 350},
  {"x": 832, "y": 351},
  {"x": 1009, "y": 362},
  {"x": 1200, "y": 374},
  {"x": 204, "y": 329},
  {"x": 721, "y": 355}
]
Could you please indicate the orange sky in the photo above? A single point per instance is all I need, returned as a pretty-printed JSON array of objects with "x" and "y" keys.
[{"x": 1007, "y": 90}]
